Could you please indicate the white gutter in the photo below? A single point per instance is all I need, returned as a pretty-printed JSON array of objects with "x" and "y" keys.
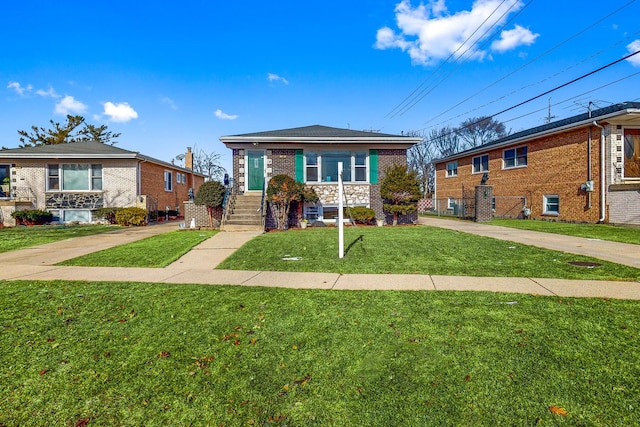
[{"x": 603, "y": 209}]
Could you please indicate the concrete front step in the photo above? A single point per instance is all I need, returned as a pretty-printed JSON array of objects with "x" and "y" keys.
[
  {"x": 245, "y": 213},
  {"x": 241, "y": 227},
  {"x": 256, "y": 218},
  {"x": 244, "y": 222}
]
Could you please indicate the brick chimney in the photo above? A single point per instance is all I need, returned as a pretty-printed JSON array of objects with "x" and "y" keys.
[{"x": 188, "y": 159}]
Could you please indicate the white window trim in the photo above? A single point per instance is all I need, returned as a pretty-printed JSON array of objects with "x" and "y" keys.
[
  {"x": 515, "y": 159},
  {"x": 481, "y": 170},
  {"x": 60, "y": 177},
  {"x": 352, "y": 167},
  {"x": 545, "y": 211},
  {"x": 451, "y": 201},
  {"x": 168, "y": 183},
  {"x": 447, "y": 175}
]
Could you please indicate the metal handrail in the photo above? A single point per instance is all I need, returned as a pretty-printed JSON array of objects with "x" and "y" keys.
[
  {"x": 228, "y": 202},
  {"x": 263, "y": 200}
]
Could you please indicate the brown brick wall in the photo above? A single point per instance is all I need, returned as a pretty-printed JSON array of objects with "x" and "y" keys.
[
  {"x": 152, "y": 184},
  {"x": 283, "y": 162},
  {"x": 557, "y": 164}
]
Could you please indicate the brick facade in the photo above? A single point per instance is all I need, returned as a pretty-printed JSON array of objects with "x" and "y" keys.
[
  {"x": 152, "y": 185},
  {"x": 126, "y": 182},
  {"x": 556, "y": 165},
  {"x": 283, "y": 161}
]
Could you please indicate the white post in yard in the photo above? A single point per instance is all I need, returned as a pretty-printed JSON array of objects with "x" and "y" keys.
[{"x": 340, "y": 214}]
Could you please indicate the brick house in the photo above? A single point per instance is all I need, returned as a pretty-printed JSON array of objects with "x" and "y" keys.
[
  {"x": 585, "y": 168},
  {"x": 71, "y": 180},
  {"x": 310, "y": 155}
]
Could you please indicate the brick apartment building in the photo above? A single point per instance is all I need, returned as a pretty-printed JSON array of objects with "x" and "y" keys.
[
  {"x": 585, "y": 168},
  {"x": 72, "y": 180},
  {"x": 310, "y": 155}
]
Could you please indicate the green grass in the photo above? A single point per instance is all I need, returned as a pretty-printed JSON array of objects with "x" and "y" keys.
[
  {"x": 591, "y": 231},
  {"x": 155, "y": 251},
  {"x": 419, "y": 249},
  {"x": 128, "y": 354},
  {"x": 23, "y": 237}
]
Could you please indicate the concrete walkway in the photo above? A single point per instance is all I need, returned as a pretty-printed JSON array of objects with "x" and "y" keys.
[
  {"x": 620, "y": 253},
  {"x": 198, "y": 266}
]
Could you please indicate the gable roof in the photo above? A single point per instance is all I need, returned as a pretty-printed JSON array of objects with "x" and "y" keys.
[
  {"x": 318, "y": 134},
  {"x": 82, "y": 150},
  {"x": 606, "y": 113}
]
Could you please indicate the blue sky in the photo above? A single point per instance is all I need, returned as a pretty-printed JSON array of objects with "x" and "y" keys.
[{"x": 168, "y": 75}]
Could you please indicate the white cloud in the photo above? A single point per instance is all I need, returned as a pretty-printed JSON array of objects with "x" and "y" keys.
[
  {"x": 49, "y": 93},
  {"x": 224, "y": 116},
  {"x": 276, "y": 78},
  {"x": 169, "y": 102},
  {"x": 119, "y": 113},
  {"x": 17, "y": 88},
  {"x": 68, "y": 105},
  {"x": 632, "y": 47},
  {"x": 511, "y": 39},
  {"x": 428, "y": 33}
]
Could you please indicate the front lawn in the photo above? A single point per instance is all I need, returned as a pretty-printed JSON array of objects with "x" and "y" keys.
[
  {"x": 83, "y": 354},
  {"x": 591, "y": 231},
  {"x": 414, "y": 249},
  {"x": 23, "y": 237},
  {"x": 154, "y": 251}
]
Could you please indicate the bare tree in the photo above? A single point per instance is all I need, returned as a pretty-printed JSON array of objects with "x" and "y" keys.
[
  {"x": 477, "y": 131},
  {"x": 208, "y": 164},
  {"x": 421, "y": 157},
  {"x": 445, "y": 141}
]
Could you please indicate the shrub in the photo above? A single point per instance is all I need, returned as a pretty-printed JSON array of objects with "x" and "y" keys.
[
  {"x": 283, "y": 190},
  {"x": 362, "y": 214},
  {"x": 107, "y": 214},
  {"x": 400, "y": 191},
  {"x": 211, "y": 195},
  {"x": 32, "y": 216},
  {"x": 131, "y": 216}
]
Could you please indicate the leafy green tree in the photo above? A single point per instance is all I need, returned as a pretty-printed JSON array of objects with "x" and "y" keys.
[
  {"x": 211, "y": 195},
  {"x": 283, "y": 190},
  {"x": 75, "y": 129},
  {"x": 400, "y": 191}
]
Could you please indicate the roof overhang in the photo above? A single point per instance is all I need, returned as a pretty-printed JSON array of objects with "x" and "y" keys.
[{"x": 302, "y": 142}]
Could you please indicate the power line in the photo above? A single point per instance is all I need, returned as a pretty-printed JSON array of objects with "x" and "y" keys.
[
  {"x": 532, "y": 61},
  {"x": 550, "y": 91},
  {"x": 407, "y": 99},
  {"x": 422, "y": 93},
  {"x": 623, "y": 40}
]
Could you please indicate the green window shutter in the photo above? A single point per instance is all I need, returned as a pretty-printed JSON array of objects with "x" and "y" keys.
[
  {"x": 373, "y": 166},
  {"x": 299, "y": 166}
]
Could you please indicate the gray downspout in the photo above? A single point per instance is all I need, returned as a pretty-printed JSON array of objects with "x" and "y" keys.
[{"x": 603, "y": 174}]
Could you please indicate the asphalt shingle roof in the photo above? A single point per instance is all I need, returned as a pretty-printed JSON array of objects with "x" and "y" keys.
[
  {"x": 593, "y": 115},
  {"x": 92, "y": 148},
  {"x": 316, "y": 131}
]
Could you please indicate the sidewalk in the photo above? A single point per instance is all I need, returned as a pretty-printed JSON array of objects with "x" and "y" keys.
[{"x": 198, "y": 266}]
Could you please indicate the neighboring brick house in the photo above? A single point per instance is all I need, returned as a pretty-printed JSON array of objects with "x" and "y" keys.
[
  {"x": 72, "y": 180},
  {"x": 585, "y": 168},
  {"x": 311, "y": 154}
]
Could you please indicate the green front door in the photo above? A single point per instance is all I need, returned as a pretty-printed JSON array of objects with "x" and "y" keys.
[{"x": 255, "y": 170}]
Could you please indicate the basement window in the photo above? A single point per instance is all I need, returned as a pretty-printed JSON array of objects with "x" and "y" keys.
[{"x": 551, "y": 204}]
